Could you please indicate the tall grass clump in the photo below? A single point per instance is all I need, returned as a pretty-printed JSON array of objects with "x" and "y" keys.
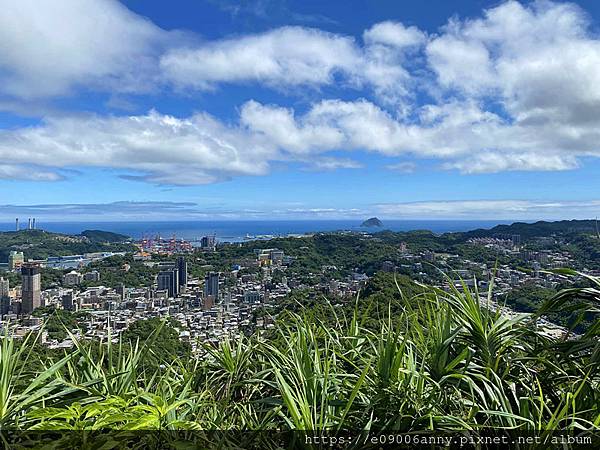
[{"x": 443, "y": 361}]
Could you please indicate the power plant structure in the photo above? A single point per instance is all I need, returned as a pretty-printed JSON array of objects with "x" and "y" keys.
[{"x": 30, "y": 224}]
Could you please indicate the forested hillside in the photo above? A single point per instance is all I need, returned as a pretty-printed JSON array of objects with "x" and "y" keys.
[{"x": 38, "y": 244}]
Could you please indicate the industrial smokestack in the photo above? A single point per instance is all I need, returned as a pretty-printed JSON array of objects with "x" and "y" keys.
[
  {"x": 29, "y": 223},
  {"x": 33, "y": 224},
  {"x": 17, "y": 224}
]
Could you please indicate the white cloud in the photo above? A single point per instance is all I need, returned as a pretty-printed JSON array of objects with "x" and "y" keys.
[
  {"x": 462, "y": 135},
  {"x": 320, "y": 212},
  {"x": 334, "y": 164},
  {"x": 516, "y": 89},
  {"x": 159, "y": 148},
  {"x": 25, "y": 172},
  {"x": 122, "y": 210},
  {"x": 295, "y": 56},
  {"x": 279, "y": 126},
  {"x": 389, "y": 52},
  {"x": 50, "y": 49},
  {"x": 394, "y": 34},
  {"x": 461, "y": 64},
  {"x": 200, "y": 149},
  {"x": 424, "y": 210},
  {"x": 328, "y": 125},
  {"x": 162, "y": 210},
  {"x": 485, "y": 162},
  {"x": 47, "y": 48},
  {"x": 540, "y": 61},
  {"x": 285, "y": 56},
  {"x": 492, "y": 209},
  {"x": 402, "y": 167}
]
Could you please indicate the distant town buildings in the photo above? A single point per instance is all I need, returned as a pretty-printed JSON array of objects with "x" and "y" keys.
[
  {"x": 516, "y": 240},
  {"x": 208, "y": 242},
  {"x": 67, "y": 301},
  {"x": 269, "y": 256},
  {"x": 160, "y": 245},
  {"x": 388, "y": 266},
  {"x": 221, "y": 304},
  {"x": 93, "y": 276},
  {"x": 15, "y": 260},
  {"x": 252, "y": 297},
  {"x": 429, "y": 257},
  {"x": 72, "y": 278}
]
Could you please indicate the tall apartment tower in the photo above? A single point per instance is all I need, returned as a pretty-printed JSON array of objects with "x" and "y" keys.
[
  {"x": 31, "y": 287},
  {"x": 182, "y": 270},
  {"x": 168, "y": 280},
  {"x": 4, "y": 287},
  {"x": 4, "y": 296},
  {"x": 211, "y": 285}
]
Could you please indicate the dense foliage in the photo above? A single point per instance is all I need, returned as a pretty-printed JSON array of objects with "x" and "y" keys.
[
  {"x": 541, "y": 228},
  {"x": 122, "y": 270},
  {"x": 440, "y": 361},
  {"x": 166, "y": 336},
  {"x": 59, "y": 323},
  {"x": 104, "y": 236},
  {"x": 39, "y": 244}
]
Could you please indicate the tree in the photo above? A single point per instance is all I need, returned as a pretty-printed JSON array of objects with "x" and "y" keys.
[{"x": 163, "y": 336}]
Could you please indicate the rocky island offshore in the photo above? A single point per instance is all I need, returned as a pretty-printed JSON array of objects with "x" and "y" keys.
[{"x": 372, "y": 222}]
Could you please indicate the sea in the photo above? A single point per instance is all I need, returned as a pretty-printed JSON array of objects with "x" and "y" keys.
[{"x": 240, "y": 230}]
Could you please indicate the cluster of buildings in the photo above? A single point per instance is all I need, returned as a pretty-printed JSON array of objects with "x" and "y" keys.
[
  {"x": 269, "y": 256},
  {"x": 17, "y": 258},
  {"x": 223, "y": 303},
  {"x": 74, "y": 278},
  {"x": 30, "y": 292},
  {"x": 163, "y": 246},
  {"x": 501, "y": 243},
  {"x": 217, "y": 305},
  {"x": 525, "y": 266}
]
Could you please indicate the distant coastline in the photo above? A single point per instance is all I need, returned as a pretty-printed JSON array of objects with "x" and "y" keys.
[{"x": 238, "y": 231}]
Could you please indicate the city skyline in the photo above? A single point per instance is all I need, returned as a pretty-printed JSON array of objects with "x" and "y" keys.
[{"x": 297, "y": 110}]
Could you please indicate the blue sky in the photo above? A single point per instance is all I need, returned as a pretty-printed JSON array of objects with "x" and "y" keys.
[{"x": 278, "y": 109}]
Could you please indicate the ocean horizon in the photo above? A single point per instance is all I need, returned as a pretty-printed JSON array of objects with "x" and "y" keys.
[{"x": 239, "y": 230}]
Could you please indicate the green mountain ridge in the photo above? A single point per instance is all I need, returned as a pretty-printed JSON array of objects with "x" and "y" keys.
[
  {"x": 104, "y": 236},
  {"x": 39, "y": 244},
  {"x": 539, "y": 228}
]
